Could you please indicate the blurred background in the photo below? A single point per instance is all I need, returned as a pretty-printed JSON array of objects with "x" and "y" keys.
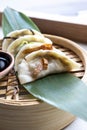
[
  {"x": 63, "y": 10},
  {"x": 62, "y": 7}
]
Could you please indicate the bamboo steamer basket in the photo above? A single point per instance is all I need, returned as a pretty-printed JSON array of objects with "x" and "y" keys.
[{"x": 32, "y": 114}]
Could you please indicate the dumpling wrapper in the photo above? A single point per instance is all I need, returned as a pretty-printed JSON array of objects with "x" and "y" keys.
[
  {"x": 13, "y": 47},
  {"x": 44, "y": 62},
  {"x": 17, "y": 34},
  {"x": 28, "y": 48}
]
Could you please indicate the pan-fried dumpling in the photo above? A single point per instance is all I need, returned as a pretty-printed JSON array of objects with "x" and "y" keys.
[
  {"x": 43, "y": 62},
  {"x": 15, "y": 46},
  {"x": 28, "y": 48},
  {"x": 16, "y": 34}
]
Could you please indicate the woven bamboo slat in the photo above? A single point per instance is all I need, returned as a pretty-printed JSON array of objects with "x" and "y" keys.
[{"x": 24, "y": 112}]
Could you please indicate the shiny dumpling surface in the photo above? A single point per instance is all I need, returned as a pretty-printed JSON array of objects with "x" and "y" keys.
[
  {"x": 16, "y": 34},
  {"x": 44, "y": 62}
]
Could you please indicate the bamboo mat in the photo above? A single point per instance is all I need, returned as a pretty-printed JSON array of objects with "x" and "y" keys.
[
  {"x": 11, "y": 90},
  {"x": 29, "y": 112}
]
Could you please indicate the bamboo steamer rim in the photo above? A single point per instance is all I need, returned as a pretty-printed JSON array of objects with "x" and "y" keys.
[
  {"x": 58, "y": 40},
  {"x": 74, "y": 47}
]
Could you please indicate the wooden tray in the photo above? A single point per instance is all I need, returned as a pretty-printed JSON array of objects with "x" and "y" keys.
[
  {"x": 74, "y": 31},
  {"x": 25, "y": 112}
]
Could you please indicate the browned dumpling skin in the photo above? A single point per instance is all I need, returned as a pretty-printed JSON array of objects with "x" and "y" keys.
[
  {"x": 15, "y": 46},
  {"x": 35, "y": 56},
  {"x": 42, "y": 63},
  {"x": 16, "y": 34},
  {"x": 29, "y": 48}
]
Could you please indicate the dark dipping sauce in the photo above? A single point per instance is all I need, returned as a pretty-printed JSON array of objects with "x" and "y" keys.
[{"x": 5, "y": 61}]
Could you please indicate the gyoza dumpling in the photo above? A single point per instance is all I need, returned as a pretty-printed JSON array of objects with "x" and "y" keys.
[
  {"x": 16, "y": 34},
  {"x": 43, "y": 62},
  {"x": 28, "y": 48},
  {"x": 16, "y": 45}
]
